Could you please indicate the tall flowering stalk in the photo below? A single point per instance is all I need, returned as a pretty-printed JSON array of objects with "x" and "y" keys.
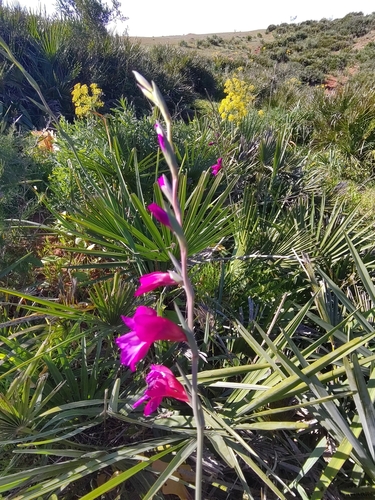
[{"x": 173, "y": 219}]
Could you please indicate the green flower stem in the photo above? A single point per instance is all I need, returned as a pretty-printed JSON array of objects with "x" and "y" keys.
[
  {"x": 176, "y": 203},
  {"x": 190, "y": 299},
  {"x": 197, "y": 409}
]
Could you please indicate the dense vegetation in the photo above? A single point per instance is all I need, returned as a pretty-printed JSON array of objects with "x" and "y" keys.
[{"x": 280, "y": 251}]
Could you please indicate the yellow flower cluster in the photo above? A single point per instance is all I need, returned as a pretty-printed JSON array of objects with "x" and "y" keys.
[
  {"x": 293, "y": 82},
  {"x": 240, "y": 95},
  {"x": 86, "y": 99}
]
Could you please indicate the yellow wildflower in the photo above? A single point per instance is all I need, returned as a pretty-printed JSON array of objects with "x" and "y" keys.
[
  {"x": 84, "y": 102},
  {"x": 240, "y": 95}
]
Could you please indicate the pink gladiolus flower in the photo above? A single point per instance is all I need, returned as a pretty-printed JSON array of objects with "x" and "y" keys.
[
  {"x": 217, "y": 167},
  {"x": 161, "y": 384},
  {"x": 161, "y": 136},
  {"x": 159, "y": 214},
  {"x": 146, "y": 328},
  {"x": 153, "y": 280}
]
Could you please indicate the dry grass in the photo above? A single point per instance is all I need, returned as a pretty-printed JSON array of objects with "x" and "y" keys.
[{"x": 239, "y": 43}]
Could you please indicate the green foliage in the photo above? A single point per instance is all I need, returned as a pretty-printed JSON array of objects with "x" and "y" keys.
[
  {"x": 42, "y": 45},
  {"x": 214, "y": 40},
  {"x": 128, "y": 142},
  {"x": 271, "y": 28},
  {"x": 280, "y": 253},
  {"x": 58, "y": 53},
  {"x": 346, "y": 124},
  {"x": 22, "y": 170},
  {"x": 112, "y": 298},
  {"x": 93, "y": 14}
]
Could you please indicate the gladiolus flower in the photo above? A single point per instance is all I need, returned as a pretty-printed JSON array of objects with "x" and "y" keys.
[
  {"x": 159, "y": 214},
  {"x": 161, "y": 384},
  {"x": 153, "y": 280},
  {"x": 217, "y": 167},
  {"x": 146, "y": 328},
  {"x": 161, "y": 136}
]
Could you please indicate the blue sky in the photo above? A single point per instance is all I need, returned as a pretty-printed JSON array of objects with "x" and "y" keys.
[{"x": 173, "y": 17}]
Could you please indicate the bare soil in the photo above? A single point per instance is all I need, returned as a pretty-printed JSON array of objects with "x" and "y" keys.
[{"x": 362, "y": 41}]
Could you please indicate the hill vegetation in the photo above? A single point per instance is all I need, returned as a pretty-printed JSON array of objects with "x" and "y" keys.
[{"x": 266, "y": 168}]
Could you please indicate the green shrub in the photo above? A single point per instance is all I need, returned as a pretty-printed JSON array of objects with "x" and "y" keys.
[
  {"x": 215, "y": 40},
  {"x": 271, "y": 28},
  {"x": 23, "y": 168},
  {"x": 202, "y": 44},
  {"x": 312, "y": 74},
  {"x": 345, "y": 122}
]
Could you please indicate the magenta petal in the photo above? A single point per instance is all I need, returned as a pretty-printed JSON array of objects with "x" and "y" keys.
[
  {"x": 158, "y": 328},
  {"x": 161, "y": 142},
  {"x": 159, "y": 214},
  {"x": 157, "y": 371},
  {"x": 166, "y": 188},
  {"x": 124, "y": 340},
  {"x": 140, "y": 401},
  {"x": 161, "y": 136},
  {"x": 133, "y": 349},
  {"x": 147, "y": 327},
  {"x": 217, "y": 167},
  {"x": 153, "y": 280},
  {"x": 141, "y": 311},
  {"x": 161, "y": 383},
  {"x": 145, "y": 311},
  {"x": 129, "y": 322},
  {"x": 133, "y": 355},
  {"x": 152, "y": 406}
]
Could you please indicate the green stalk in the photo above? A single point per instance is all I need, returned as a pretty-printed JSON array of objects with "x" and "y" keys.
[{"x": 197, "y": 409}]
